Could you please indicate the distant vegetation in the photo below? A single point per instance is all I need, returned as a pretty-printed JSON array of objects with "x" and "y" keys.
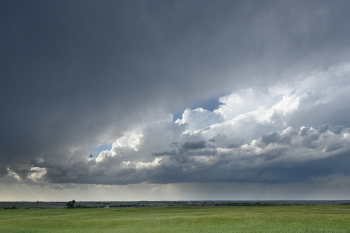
[{"x": 140, "y": 204}]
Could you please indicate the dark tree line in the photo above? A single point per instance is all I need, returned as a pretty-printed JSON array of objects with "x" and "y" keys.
[{"x": 70, "y": 204}]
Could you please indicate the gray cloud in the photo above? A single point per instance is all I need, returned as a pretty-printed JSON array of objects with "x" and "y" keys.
[
  {"x": 234, "y": 145},
  {"x": 173, "y": 152}
]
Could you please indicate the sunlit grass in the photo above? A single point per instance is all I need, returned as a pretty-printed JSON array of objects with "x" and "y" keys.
[{"x": 180, "y": 219}]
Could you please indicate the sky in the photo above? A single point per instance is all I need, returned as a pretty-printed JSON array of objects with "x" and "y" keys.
[{"x": 174, "y": 100}]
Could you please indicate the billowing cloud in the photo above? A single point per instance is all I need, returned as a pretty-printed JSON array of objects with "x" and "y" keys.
[{"x": 265, "y": 143}]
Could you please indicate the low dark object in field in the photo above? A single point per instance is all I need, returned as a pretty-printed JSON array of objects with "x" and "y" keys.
[{"x": 70, "y": 204}]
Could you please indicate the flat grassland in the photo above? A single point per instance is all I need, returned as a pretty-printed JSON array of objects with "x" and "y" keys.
[{"x": 179, "y": 219}]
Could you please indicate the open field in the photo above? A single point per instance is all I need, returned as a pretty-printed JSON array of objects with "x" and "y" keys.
[{"x": 179, "y": 219}]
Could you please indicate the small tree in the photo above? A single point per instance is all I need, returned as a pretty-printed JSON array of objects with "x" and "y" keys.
[{"x": 70, "y": 204}]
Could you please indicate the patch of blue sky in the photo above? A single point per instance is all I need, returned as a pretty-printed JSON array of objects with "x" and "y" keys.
[{"x": 99, "y": 149}]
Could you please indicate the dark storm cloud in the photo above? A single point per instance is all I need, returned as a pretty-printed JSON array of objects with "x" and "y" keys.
[
  {"x": 75, "y": 74},
  {"x": 275, "y": 137},
  {"x": 193, "y": 145}
]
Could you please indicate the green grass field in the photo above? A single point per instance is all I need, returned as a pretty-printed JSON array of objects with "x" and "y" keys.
[{"x": 180, "y": 219}]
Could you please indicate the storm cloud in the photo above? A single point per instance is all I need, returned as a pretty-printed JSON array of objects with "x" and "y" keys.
[{"x": 78, "y": 75}]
